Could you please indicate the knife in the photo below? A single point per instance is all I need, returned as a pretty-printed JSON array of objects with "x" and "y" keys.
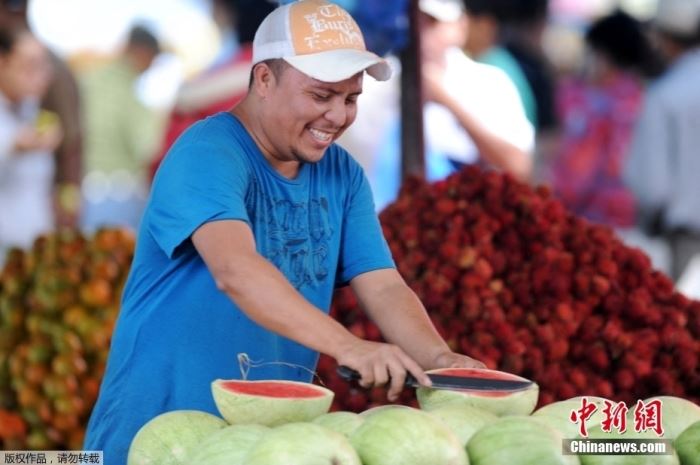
[{"x": 473, "y": 383}]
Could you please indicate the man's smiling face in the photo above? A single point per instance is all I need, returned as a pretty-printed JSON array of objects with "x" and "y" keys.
[{"x": 303, "y": 116}]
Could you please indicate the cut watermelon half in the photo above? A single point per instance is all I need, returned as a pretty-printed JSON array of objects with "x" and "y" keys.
[
  {"x": 497, "y": 402},
  {"x": 270, "y": 403}
]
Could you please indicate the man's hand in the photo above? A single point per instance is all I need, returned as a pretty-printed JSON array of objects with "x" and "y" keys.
[
  {"x": 379, "y": 364},
  {"x": 403, "y": 321},
  {"x": 455, "y": 360}
]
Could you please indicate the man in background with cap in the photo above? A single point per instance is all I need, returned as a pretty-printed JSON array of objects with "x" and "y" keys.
[
  {"x": 121, "y": 133},
  {"x": 255, "y": 217},
  {"x": 664, "y": 159}
]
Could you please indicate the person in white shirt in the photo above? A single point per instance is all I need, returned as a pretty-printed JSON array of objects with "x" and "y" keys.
[
  {"x": 472, "y": 114},
  {"x": 664, "y": 159}
]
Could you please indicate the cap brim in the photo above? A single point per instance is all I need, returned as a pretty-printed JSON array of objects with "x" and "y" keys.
[
  {"x": 340, "y": 64},
  {"x": 446, "y": 12}
]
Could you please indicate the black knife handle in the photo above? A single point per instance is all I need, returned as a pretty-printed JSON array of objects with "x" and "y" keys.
[{"x": 348, "y": 374}]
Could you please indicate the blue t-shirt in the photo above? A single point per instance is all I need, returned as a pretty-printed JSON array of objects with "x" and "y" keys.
[{"x": 176, "y": 331}]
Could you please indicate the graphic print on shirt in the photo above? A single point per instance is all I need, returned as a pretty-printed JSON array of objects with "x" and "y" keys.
[{"x": 297, "y": 237}]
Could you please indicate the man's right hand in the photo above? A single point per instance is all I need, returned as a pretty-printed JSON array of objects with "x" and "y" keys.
[{"x": 381, "y": 364}]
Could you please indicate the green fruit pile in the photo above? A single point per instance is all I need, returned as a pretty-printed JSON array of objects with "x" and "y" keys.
[{"x": 58, "y": 305}]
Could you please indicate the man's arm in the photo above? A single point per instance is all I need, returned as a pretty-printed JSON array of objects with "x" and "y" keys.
[
  {"x": 264, "y": 294},
  {"x": 403, "y": 321}
]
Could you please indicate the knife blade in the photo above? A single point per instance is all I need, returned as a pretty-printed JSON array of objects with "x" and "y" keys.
[{"x": 451, "y": 382}]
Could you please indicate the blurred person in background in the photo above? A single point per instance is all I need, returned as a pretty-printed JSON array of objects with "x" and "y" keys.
[
  {"x": 27, "y": 139},
  {"x": 598, "y": 109},
  {"x": 121, "y": 133},
  {"x": 225, "y": 82},
  {"x": 62, "y": 98},
  {"x": 483, "y": 45},
  {"x": 472, "y": 113},
  {"x": 664, "y": 159},
  {"x": 522, "y": 30}
]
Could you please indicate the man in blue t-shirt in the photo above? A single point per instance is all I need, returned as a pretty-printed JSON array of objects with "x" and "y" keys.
[{"x": 255, "y": 217}]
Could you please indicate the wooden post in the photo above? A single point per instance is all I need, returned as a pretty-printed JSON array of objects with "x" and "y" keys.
[{"x": 412, "y": 146}]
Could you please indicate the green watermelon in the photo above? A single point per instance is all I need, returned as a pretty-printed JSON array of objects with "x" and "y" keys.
[
  {"x": 518, "y": 440},
  {"x": 342, "y": 422},
  {"x": 406, "y": 436},
  {"x": 169, "y": 438},
  {"x": 228, "y": 446},
  {"x": 463, "y": 420},
  {"x": 302, "y": 444},
  {"x": 688, "y": 445}
]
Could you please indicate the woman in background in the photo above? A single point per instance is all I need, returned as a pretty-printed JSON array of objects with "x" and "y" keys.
[{"x": 27, "y": 140}]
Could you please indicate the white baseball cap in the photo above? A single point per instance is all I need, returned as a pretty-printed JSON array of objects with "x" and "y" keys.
[
  {"x": 443, "y": 10},
  {"x": 318, "y": 38},
  {"x": 680, "y": 17}
]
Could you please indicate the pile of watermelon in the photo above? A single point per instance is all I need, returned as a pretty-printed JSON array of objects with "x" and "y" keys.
[
  {"x": 58, "y": 305},
  {"x": 510, "y": 277},
  {"x": 277, "y": 422}
]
